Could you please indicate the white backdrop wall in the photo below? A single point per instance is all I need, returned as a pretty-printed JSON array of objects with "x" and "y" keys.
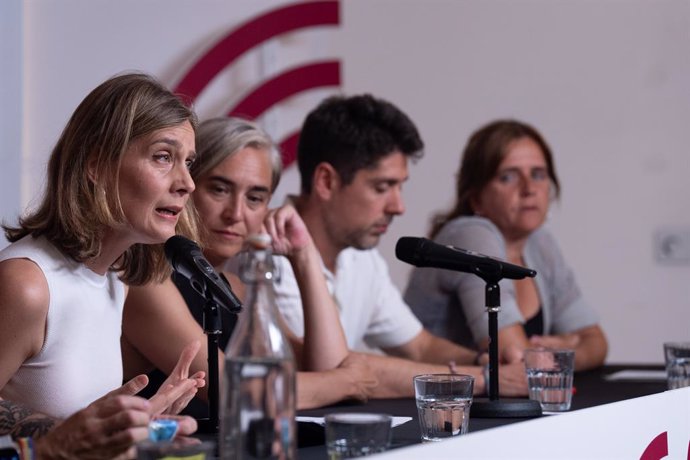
[
  {"x": 11, "y": 51},
  {"x": 607, "y": 82}
]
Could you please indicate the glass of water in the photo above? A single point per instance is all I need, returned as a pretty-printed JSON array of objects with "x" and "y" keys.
[
  {"x": 350, "y": 435},
  {"x": 550, "y": 377},
  {"x": 443, "y": 403},
  {"x": 677, "y": 356}
]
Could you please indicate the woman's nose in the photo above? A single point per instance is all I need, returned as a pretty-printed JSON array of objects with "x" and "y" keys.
[
  {"x": 184, "y": 183},
  {"x": 233, "y": 210}
]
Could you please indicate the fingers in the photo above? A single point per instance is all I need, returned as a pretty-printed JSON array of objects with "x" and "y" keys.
[
  {"x": 185, "y": 425},
  {"x": 126, "y": 428},
  {"x": 200, "y": 378},
  {"x": 181, "y": 402},
  {"x": 112, "y": 404},
  {"x": 513, "y": 380},
  {"x": 130, "y": 388},
  {"x": 105, "y": 429},
  {"x": 270, "y": 224},
  {"x": 185, "y": 360},
  {"x": 168, "y": 394},
  {"x": 288, "y": 232},
  {"x": 513, "y": 354},
  {"x": 186, "y": 441},
  {"x": 274, "y": 224}
]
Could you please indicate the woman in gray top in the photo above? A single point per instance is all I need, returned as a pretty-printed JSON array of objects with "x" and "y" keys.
[{"x": 505, "y": 184}]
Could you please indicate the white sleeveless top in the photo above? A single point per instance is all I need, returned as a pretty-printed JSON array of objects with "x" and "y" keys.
[{"x": 80, "y": 360}]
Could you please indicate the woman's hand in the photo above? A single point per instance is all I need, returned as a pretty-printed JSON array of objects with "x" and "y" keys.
[
  {"x": 512, "y": 379},
  {"x": 178, "y": 389},
  {"x": 106, "y": 429},
  {"x": 288, "y": 233},
  {"x": 569, "y": 341}
]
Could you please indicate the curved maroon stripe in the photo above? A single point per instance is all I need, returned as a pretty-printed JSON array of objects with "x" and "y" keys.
[
  {"x": 288, "y": 148},
  {"x": 247, "y": 36},
  {"x": 285, "y": 85},
  {"x": 657, "y": 449}
]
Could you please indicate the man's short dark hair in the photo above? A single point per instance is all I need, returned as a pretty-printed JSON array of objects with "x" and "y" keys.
[{"x": 353, "y": 133}]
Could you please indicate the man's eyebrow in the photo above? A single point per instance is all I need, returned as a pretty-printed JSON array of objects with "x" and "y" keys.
[{"x": 388, "y": 180}]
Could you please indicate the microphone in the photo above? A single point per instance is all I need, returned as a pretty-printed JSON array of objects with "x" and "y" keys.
[
  {"x": 422, "y": 252},
  {"x": 186, "y": 258}
]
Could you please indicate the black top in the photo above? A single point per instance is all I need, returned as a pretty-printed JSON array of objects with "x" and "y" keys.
[
  {"x": 196, "y": 408},
  {"x": 534, "y": 325}
]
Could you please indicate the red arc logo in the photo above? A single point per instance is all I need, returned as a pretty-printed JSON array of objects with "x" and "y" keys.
[{"x": 271, "y": 92}]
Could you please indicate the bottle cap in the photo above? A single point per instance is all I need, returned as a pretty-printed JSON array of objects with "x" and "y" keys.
[{"x": 259, "y": 240}]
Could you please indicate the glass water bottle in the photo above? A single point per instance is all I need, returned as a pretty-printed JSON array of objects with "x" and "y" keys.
[{"x": 258, "y": 393}]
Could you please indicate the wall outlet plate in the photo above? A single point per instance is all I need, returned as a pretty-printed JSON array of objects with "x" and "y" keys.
[{"x": 672, "y": 246}]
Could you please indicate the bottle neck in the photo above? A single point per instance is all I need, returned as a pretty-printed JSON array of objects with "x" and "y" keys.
[{"x": 258, "y": 332}]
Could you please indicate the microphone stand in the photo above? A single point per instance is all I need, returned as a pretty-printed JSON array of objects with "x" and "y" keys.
[
  {"x": 495, "y": 407},
  {"x": 212, "y": 329}
]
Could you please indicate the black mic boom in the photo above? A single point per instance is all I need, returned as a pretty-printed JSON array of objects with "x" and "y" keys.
[
  {"x": 422, "y": 252},
  {"x": 186, "y": 258}
]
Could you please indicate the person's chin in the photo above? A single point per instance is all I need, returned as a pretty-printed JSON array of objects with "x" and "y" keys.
[
  {"x": 227, "y": 250},
  {"x": 369, "y": 242}
]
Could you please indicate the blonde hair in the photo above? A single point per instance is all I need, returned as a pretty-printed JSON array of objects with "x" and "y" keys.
[{"x": 76, "y": 212}]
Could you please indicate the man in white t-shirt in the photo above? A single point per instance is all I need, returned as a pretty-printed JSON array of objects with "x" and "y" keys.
[{"x": 353, "y": 155}]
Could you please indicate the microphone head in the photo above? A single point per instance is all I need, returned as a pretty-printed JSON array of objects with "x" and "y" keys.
[
  {"x": 410, "y": 249},
  {"x": 178, "y": 245}
]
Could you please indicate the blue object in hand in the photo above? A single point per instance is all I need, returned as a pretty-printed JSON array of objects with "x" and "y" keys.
[{"x": 162, "y": 429}]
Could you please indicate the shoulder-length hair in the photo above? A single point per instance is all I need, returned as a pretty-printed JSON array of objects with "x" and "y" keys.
[
  {"x": 81, "y": 200},
  {"x": 483, "y": 154}
]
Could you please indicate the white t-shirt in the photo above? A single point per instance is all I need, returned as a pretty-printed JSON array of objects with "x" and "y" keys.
[
  {"x": 372, "y": 311},
  {"x": 80, "y": 360}
]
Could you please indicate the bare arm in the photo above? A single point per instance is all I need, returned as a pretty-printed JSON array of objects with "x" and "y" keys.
[
  {"x": 395, "y": 376},
  {"x": 427, "y": 353},
  {"x": 429, "y": 348},
  {"x": 21, "y": 422},
  {"x": 160, "y": 307},
  {"x": 324, "y": 344},
  {"x": 109, "y": 427},
  {"x": 24, "y": 302},
  {"x": 106, "y": 429},
  {"x": 352, "y": 380}
]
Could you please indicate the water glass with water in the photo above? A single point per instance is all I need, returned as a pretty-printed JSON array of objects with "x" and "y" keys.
[
  {"x": 443, "y": 403},
  {"x": 677, "y": 356},
  {"x": 550, "y": 377},
  {"x": 350, "y": 435}
]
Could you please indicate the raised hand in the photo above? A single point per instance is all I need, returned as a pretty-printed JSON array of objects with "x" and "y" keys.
[
  {"x": 179, "y": 388},
  {"x": 288, "y": 232}
]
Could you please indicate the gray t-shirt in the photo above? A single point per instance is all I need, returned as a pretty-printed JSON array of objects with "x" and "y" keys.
[{"x": 452, "y": 304}]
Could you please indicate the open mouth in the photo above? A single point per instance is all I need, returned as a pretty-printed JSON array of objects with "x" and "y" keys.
[{"x": 168, "y": 211}]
